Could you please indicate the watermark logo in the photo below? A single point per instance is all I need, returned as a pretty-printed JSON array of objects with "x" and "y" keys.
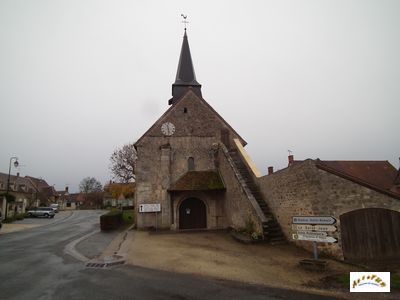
[{"x": 367, "y": 282}]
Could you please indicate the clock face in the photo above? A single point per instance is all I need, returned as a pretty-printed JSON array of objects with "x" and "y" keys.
[{"x": 168, "y": 128}]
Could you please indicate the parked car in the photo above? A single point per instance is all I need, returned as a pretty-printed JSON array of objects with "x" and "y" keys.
[
  {"x": 54, "y": 206},
  {"x": 47, "y": 212}
]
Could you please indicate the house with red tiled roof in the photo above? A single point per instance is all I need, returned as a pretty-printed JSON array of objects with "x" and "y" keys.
[
  {"x": 118, "y": 194},
  {"x": 28, "y": 192},
  {"x": 69, "y": 201},
  {"x": 362, "y": 196}
]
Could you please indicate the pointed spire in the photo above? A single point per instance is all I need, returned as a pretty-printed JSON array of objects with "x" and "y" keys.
[{"x": 185, "y": 75}]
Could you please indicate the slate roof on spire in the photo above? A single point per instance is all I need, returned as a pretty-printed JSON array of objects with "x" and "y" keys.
[{"x": 185, "y": 75}]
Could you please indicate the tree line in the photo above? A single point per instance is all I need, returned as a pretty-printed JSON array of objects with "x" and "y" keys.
[{"x": 122, "y": 167}]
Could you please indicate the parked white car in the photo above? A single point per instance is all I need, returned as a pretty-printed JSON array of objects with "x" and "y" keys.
[
  {"x": 54, "y": 206},
  {"x": 47, "y": 212}
]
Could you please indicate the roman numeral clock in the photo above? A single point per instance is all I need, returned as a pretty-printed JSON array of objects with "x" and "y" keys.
[{"x": 168, "y": 129}]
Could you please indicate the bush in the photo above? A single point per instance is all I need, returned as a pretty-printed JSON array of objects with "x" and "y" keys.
[
  {"x": 250, "y": 230},
  {"x": 8, "y": 220},
  {"x": 128, "y": 216},
  {"x": 250, "y": 226},
  {"x": 20, "y": 216},
  {"x": 111, "y": 220}
]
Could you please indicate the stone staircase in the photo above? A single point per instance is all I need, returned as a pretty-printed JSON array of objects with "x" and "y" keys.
[{"x": 271, "y": 228}]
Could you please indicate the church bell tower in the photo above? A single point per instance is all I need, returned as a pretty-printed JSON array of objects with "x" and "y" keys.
[{"x": 185, "y": 75}]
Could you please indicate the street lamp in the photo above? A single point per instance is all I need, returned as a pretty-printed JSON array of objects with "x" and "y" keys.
[{"x": 16, "y": 164}]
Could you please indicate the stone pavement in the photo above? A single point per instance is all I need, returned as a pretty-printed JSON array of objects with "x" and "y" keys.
[
  {"x": 11, "y": 227},
  {"x": 28, "y": 223}
]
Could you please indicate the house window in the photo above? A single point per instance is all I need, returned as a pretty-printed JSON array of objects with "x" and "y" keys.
[
  {"x": 68, "y": 204},
  {"x": 185, "y": 110},
  {"x": 190, "y": 164}
]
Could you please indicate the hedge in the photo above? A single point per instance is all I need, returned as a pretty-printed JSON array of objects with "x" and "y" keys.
[{"x": 111, "y": 220}]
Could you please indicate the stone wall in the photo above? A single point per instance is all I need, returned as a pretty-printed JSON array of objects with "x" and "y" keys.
[
  {"x": 163, "y": 161},
  {"x": 238, "y": 207},
  {"x": 192, "y": 117},
  {"x": 303, "y": 189}
]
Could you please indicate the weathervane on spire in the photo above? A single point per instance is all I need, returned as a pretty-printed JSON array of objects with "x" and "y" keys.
[{"x": 184, "y": 20}]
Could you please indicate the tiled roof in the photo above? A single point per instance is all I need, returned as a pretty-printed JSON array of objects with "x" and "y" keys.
[
  {"x": 18, "y": 181},
  {"x": 198, "y": 181},
  {"x": 378, "y": 175}
]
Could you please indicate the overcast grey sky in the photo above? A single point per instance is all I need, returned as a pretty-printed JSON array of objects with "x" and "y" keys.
[{"x": 80, "y": 78}]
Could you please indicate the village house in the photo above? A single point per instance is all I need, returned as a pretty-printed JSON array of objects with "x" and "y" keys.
[
  {"x": 119, "y": 195},
  {"x": 28, "y": 192},
  {"x": 363, "y": 196},
  {"x": 68, "y": 201}
]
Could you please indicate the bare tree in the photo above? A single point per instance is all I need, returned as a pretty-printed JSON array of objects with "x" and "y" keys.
[
  {"x": 123, "y": 162},
  {"x": 90, "y": 185},
  {"x": 92, "y": 191}
]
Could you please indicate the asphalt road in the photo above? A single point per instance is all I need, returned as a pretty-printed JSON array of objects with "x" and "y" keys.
[{"x": 35, "y": 265}]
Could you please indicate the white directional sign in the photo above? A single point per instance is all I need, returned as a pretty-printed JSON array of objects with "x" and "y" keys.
[
  {"x": 311, "y": 233},
  {"x": 306, "y": 227},
  {"x": 324, "y": 220},
  {"x": 313, "y": 238},
  {"x": 156, "y": 207}
]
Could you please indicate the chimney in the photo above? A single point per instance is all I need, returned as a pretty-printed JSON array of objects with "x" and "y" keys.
[
  {"x": 290, "y": 159},
  {"x": 270, "y": 170}
]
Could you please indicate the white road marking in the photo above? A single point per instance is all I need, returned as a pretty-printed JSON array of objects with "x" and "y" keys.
[{"x": 70, "y": 247}]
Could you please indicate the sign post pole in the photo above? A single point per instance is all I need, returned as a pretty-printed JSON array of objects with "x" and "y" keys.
[
  {"x": 156, "y": 221},
  {"x": 315, "y": 250}
]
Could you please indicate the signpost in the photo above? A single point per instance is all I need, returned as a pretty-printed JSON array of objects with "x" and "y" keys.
[
  {"x": 311, "y": 233},
  {"x": 313, "y": 238},
  {"x": 156, "y": 207},
  {"x": 153, "y": 207},
  {"x": 326, "y": 220},
  {"x": 326, "y": 228},
  {"x": 314, "y": 229}
]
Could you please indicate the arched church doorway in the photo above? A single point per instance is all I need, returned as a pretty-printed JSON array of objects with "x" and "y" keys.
[{"x": 192, "y": 214}]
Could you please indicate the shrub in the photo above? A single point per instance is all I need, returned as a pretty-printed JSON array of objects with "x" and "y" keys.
[
  {"x": 20, "y": 216},
  {"x": 8, "y": 220},
  {"x": 250, "y": 230},
  {"x": 250, "y": 226},
  {"x": 128, "y": 216}
]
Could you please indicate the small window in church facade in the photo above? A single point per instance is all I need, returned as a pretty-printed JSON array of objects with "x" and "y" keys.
[
  {"x": 190, "y": 164},
  {"x": 185, "y": 110}
]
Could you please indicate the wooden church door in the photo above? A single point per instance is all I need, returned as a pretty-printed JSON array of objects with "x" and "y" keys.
[{"x": 192, "y": 214}]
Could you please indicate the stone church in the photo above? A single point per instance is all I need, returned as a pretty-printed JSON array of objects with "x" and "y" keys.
[
  {"x": 192, "y": 163},
  {"x": 193, "y": 168}
]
